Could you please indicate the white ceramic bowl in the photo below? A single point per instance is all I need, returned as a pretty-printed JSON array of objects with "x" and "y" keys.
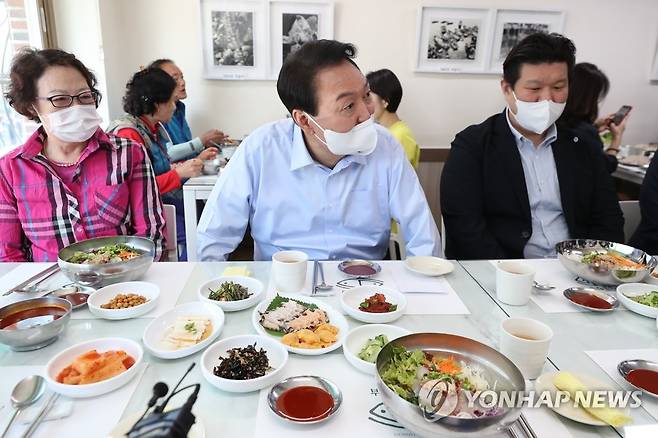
[
  {"x": 352, "y": 298},
  {"x": 154, "y": 332},
  {"x": 103, "y": 295},
  {"x": 357, "y": 338},
  {"x": 335, "y": 319},
  {"x": 625, "y": 291},
  {"x": 253, "y": 285},
  {"x": 429, "y": 266},
  {"x": 276, "y": 354},
  {"x": 66, "y": 357}
]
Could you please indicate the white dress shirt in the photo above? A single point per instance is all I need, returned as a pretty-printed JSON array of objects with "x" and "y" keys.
[
  {"x": 293, "y": 202},
  {"x": 548, "y": 223}
]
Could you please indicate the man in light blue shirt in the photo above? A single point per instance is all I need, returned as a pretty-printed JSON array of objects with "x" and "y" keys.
[
  {"x": 327, "y": 181},
  {"x": 548, "y": 224}
]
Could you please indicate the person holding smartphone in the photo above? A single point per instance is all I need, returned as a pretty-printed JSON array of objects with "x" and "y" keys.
[{"x": 589, "y": 86}]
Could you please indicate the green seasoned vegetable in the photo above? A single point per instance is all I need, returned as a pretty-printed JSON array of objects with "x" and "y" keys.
[
  {"x": 279, "y": 300},
  {"x": 105, "y": 254},
  {"x": 592, "y": 257},
  {"x": 649, "y": 299},
  {"x": 229, "y": 291},
  {"x": 372, "y": 348},
  {"x": 400, "y": 372}
]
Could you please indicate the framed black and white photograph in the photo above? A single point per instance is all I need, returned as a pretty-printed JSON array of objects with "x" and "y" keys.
[
  {"x": 234, "y": 39},
  {"x": 294, "y": 23},
  {"x": 514, "y": 25},
  {"x": 453, "y": 40}
]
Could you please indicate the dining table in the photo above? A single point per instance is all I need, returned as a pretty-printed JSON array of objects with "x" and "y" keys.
[{"x": 471, "y": 310}]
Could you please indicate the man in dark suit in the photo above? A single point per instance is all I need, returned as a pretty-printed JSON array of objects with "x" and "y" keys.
[{"x": 518, "y": 183}]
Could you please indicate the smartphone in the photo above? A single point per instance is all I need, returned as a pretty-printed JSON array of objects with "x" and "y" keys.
[{"x": 619, "y": 115}]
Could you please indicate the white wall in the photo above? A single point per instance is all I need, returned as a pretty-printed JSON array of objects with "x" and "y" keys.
[
  {"x": 78, "y": 31},
  {"x": 619, "y": 37}
]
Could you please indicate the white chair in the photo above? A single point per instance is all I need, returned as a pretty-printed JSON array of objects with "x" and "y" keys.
[
  {"x": 632, "y": 216},
  {"x": 396, "y": 247},
  {"x": 172, "y": 235}
]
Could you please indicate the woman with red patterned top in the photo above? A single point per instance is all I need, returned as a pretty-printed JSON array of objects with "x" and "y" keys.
[
  {"x": 149, "y": 102},
  {"x": 70, "y": 181}
]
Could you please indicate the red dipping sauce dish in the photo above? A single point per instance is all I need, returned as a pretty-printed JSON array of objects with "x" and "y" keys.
[
  {"x": 359, "y": 268},
  {"x": 305, "y": 399},
  {"x": 591, "y": 299},
  {"x": 641, "y": 374}
]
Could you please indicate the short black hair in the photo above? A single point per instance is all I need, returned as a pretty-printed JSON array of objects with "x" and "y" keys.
[
  {"x": 588, "y": 86},
  {"x": 158, "y": 63},
  {"x": 538, "y": 48},
  {"x": 386, "y": 85},
  {"x": 26, "y": 69},
  {"x": 296, "y": 83},
  {"x": 147, "y": 88}
]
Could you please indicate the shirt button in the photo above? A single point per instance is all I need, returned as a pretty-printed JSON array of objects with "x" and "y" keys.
[
  {"x": 575, "y": 139},
  {"x": 526, "y": 234}
]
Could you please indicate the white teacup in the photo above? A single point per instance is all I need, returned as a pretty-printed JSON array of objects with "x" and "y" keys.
[
  {"x": 289, "y": 270},
  {"x": 526, "y": 342},
  {"x": 514, "y": 282}
]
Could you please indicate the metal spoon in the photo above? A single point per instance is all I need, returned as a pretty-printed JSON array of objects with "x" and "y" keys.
[
  {"x": 25, "y": 393},
  {"x": 323, "y": 285},
  {"x": 542, "y": 286}
]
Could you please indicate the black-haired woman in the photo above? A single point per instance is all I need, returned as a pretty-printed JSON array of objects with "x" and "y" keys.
[
  {"x": 588, "y": 87},
  {"x": 149, "y": 102},
  {"x": 386, "y": 94}
]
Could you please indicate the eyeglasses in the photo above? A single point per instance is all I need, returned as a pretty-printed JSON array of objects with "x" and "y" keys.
[{"x": 65, "y": 100}]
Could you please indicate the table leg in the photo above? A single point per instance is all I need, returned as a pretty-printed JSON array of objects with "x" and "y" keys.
[{"x": 189, "y": 200}]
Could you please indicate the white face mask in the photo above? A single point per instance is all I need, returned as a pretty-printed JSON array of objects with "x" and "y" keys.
[
  {"x": 537, "y": 116},
  {"x": 74, "y": 124},
  {"x": 360, "y": 140}
]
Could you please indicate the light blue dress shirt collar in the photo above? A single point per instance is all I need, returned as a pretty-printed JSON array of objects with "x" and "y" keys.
[{"x": 549, "y": 139}]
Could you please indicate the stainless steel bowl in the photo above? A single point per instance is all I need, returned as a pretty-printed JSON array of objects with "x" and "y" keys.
[
  {"x": 103, "y": 274},
  {"x": 497, "y": 368},
  {"x": 211, "y": 167},
  {"x": 293, "y": 382},
  {"x": 625, "y": 367},
  {"x": 345, "y": 264},
  {"x": 38, "y": 331},
  {"x": 573, "y": 291},
  {"x": 571, "y": 252}
]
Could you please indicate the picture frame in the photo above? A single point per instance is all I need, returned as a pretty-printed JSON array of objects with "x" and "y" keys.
[
  {"x": 234, "y": 39},
  {"x": 512, "y": 25},
  {"x": 453, "y": 40},
  {"x": 293, "y": 23}
]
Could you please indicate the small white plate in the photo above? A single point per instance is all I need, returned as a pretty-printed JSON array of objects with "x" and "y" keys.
[
  {"x": 357, "y": 338},
  {"x": 154, "y": 332},
  {"x": 625, "y": 291},
  {"x": 103, "y": 295},
  {"x": 568, "y": 410},
  {"x": 121, "y": 430},
  {"x": 335, "y": 318},
  {"x": 66, "y": 357},
  {"x": 254, "y": 286},
  {"x": 276, "y": 354},
  {"x": 429, "y": 266},
  {"x": 352, "y": 298}
]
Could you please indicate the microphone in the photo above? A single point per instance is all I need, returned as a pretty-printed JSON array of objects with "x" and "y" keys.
[
  {"x": 159, "y": 409},
  {"x": 160, "y": 389}
]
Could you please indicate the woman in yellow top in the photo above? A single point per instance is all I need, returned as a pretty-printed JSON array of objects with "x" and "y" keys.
[{"x": 386, "y": 92}]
